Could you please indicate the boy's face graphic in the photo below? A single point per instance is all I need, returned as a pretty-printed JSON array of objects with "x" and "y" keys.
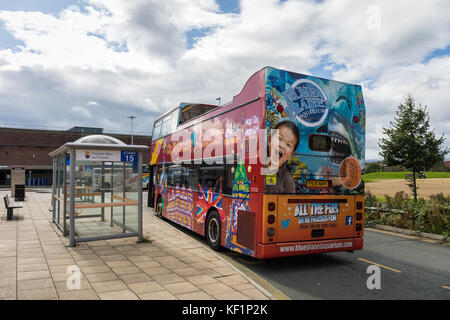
[{"x": 283, "y": 143}]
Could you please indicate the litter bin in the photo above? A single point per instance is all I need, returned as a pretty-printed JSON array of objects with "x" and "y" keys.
[
  {"x": 17, "y": 180},
  {"x": 19, "y": 194}
]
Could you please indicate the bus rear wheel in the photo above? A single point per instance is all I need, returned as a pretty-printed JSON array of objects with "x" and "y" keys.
[{"x": 213, "y": 230}]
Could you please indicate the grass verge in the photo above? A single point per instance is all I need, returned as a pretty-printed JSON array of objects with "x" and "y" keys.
[{"x": 370, "y": 177}]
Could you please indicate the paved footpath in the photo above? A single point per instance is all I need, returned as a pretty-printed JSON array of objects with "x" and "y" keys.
[{"x": 35, "y": 257}]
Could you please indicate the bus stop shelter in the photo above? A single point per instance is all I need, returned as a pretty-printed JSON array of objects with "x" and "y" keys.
[{"x": 97, "y": 189}]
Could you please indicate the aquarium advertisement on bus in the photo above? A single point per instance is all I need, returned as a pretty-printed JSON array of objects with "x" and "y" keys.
[{"x": 318, "y": 126}]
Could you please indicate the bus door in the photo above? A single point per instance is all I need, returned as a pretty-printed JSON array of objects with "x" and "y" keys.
[{"x": 151, "y": 185}]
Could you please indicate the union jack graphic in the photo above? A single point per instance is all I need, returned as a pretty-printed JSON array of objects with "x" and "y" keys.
[{"x": 206, "y": 199}]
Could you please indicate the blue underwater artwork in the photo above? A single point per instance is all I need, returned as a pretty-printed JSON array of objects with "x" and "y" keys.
[{"x": 330, "y": 117}]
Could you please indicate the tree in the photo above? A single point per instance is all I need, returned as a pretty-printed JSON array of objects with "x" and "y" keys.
[
  {"x": 410, "y": 143},
  {"x": 372, "y": 167}
]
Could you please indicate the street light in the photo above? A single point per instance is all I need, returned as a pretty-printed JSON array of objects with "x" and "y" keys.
[
  {"x": 219, "y": 101},
  {"x": 131, "y": 117}
]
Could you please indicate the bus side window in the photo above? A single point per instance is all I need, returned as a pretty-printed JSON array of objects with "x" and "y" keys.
[
  {"x": 212, "y": 177},
  {"x": 174, "y": 177},
  {"x": 229, "y": 178},
  {"x": 166, "y": 125},
  {"x": 157, "y": 130},
  {"x": 174, "y": 120},
  {"x": 190, "y": 176}
]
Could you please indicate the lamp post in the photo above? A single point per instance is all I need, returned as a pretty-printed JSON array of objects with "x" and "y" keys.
[
  {"x": 218, "y": 100},
  {"x": 131, "y": 117}
]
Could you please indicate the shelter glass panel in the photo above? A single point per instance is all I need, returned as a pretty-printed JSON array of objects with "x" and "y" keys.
[{"x": 106, "y": 196}]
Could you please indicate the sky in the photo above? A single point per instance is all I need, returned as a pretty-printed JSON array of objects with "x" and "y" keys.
[{"x": 66, "y": 63}]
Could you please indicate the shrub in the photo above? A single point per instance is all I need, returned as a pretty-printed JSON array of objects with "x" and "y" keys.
[
  {"x": 370, "y": 200},
  {"x": 431, "y": 216},
  {"x": 434, "y": 215}
]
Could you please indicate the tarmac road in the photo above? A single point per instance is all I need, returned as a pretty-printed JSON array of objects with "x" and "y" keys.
[{"x": 409, "y": 269}]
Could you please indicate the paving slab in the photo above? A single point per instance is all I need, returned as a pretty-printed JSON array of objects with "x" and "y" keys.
[{"x": 37, "y": 263}]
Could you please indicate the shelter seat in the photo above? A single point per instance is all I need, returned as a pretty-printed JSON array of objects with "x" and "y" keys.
[{"x": 10, "y": 206}]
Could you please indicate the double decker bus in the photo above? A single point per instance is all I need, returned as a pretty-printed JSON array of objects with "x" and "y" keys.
[{"x": 275, "y": 172}]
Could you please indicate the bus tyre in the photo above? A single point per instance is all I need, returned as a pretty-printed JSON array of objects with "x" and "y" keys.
[
  {"x": 159, "y": 208},
  {"x": 213, "y": 231}
]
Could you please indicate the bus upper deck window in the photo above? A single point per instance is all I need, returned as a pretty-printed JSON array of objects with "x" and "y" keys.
[
  {"x": 157, "y": 130},
  {"x": 319, "y": 142},
  {"x": 166, "y": 125}
]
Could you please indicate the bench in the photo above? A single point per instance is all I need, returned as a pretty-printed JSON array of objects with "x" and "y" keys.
[{"x": 10, "y": 206}]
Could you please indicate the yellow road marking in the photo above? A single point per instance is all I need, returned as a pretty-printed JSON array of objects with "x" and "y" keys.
[
  {"x": 380, "y": 265},
  {"x": 445, "y": 287},
  {"x": 408, "y": 236},
  {"x": 393, "y": 233}
]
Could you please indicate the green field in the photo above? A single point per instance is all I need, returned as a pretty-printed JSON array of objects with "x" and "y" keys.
[{"x": 370, "y": 177}]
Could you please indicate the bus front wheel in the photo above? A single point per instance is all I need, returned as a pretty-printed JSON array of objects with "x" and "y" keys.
[{"x": 213, "y": 232}]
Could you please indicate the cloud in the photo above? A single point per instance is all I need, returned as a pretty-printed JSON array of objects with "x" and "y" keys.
[
  {"x": 81, "y": 110},
  {"x": 92, "y": 103},
  {"x": 111, "y": 58},
  {"x": 429, "y": 83}
]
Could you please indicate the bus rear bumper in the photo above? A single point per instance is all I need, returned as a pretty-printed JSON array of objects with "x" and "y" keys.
[{"x": 284, "y": 249}]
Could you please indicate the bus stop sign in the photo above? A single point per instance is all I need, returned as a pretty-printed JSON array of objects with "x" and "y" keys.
[{"x": 130, "y": 156}]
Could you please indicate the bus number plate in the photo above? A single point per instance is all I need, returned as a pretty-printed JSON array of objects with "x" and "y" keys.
[{"x": 313, "y": 184}]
